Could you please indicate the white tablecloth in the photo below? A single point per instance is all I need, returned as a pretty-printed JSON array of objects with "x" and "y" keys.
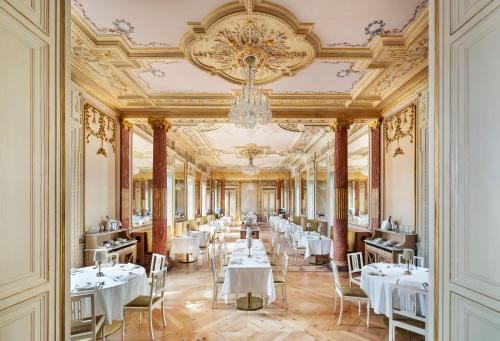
[
  {"x": 378, "y": 288},
  {"x": 184, "y": 245},
  {"x": 116, "y": 291},
  {"x": 203, "y": 235},
  {"x": 303, "y": 237},
  {"x": 253, "y": 275},
  {"x": 321, "y": 246}
]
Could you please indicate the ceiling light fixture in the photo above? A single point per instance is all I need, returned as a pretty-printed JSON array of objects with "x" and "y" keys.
[
  {"x": 250, "y": 107},
  {"x": 251, "y": 169}
]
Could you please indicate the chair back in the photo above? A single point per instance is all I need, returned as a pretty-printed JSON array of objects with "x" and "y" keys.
[
  {"x": 406, "y": 299},
  {"x": 83, "y": 325},
  {"x": 158, "y": 283},
  {"x": 418, "y": 261},
  {"x": 336, "y": 277},
  {"x": 277, "y": 250},
  {"x": 213, "y": 269},
  {"x": 157, "y": 263},
  {"x": 285, "y": 264},
  {"x": 355, "y": 262},
  {"x": 273, "y": 241}
]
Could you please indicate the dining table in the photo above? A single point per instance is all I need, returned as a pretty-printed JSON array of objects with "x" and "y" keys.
[
  {"x": 318, "y": 247},
  {"x": 379, "y": 279},
  {"x": 249, "y": 272},
  {"x": 302, "y": 237},
  {"x": 119, "y": 284},
  {"x": 186, "y": 245}
]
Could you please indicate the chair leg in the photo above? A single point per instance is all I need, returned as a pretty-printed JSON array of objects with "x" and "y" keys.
[
  {"x": 341, "y": 311},
  {"x": 151, "y": 325},
  {"x": 359, "y": 308},
  {"x": 284, "y": 297},
  {"x": 368, "y": 314},
  {"x": 335, "y": 304},
  {"x": 163, "y": 313},
  {"x": 103, "y": 337},
  {"x": 140, "y": 317}
]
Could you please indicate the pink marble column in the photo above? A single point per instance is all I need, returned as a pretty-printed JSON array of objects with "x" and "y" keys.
[
  {"x": 125, "y": 164},
  {"x": 278, "y": 195},
  {"x": 160, "y": 128},
  {"x": 340, "y": 184},
  {"x": 356, "y": 197},
  {"x": 143, "y": 197},
  {"x": 375, "y": 157},
  {"x": 223, "y": 196}
]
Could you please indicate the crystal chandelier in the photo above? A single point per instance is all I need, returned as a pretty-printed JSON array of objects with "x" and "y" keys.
[
  {"x": 250, "y": 169},
  {"x": 250, "y": 107}
]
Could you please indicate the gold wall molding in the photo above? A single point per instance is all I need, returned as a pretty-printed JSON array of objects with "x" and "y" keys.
[
  {"x": 374, "y": 124},
  {"x": 100, "y": 126},
  {"x": 340, "y": 123},
  {"x": 155, "y": 122},
  {"x": 399, "y": 126}
]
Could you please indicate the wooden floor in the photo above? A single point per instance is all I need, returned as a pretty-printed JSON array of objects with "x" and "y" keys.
[{"x": 309, "y": 316}]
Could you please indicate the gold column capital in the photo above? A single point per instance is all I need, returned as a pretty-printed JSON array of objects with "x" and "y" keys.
[
  {"x": 374, "y": 124},
  {"x": 339, "y": 123},
  {"x": 126, "y": 124},
  {"x": 155, "y": 122}
]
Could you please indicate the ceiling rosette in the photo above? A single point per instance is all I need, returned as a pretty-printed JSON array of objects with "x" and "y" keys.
[{"x": 281, "y": 44}]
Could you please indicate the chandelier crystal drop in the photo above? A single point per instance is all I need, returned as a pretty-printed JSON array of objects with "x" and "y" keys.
[
  {"x": 250, "y": 169},
  {"x": 250, "y": 107}
]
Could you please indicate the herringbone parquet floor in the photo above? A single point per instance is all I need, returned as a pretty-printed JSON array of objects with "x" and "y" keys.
[{"x": 309, "y": 316}]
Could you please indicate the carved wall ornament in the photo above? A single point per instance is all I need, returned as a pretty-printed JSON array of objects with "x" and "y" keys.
[
  {"x": 374, "y": 124},
  {"x": 220, "y": 48},
  {"x": 159, "y": 122},
  {"x": 399, "y": 126},
  {"x": 340, "y": 123},
  {"x": 100, "y": 126}
]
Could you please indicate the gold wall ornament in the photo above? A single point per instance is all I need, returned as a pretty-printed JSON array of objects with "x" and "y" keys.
[
  {"x": 399, "y": 126},
  {"x": 101, "y": 126},
  {"x": 126, "y": 124},
  {"x": 374, "y": 124},
  {"x": 221, "y": 47}
]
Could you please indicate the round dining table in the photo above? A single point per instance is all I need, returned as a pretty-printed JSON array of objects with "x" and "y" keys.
[
  {"x": 378, "y": 279},
  {"x": 186, "y": 245},
  {"x": 120, "y": 284}
]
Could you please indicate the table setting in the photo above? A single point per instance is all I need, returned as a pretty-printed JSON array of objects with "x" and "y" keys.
[
  {"x": 118, "y": 285},
  {"x": 378, "y": 280}
]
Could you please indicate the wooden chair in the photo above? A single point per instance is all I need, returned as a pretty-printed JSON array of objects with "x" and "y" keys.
[
  {"x": 222, "y": 259},
  {"x": 279, "y": 279},
  {"x": 149, "y": 303},
  {"x": 85, "y": 327},
  {"x": 273, "y": 244},
  {"x": 355, "y": 264},
  {"x": 405, "y": 315},
  {"x": 157, "y": 264},
  {"x": 276, "y": 255},
  {"x": 218, "y": 281},
  {"x": 349, "y": 294},
  {"x": 297, "y": 249}
]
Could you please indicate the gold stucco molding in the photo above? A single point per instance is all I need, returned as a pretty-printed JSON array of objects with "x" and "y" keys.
[
  {"x": 340, "y": 123},
  {"x": 155, "y": 122}
]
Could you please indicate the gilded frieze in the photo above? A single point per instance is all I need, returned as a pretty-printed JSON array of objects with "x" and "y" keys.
[
  {"x": 399, "y": 126},
  {"x": 100, "y": 126}
]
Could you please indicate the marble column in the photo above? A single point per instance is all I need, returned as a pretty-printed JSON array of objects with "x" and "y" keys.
[
  {"x": 375, "y": 156},
  {"x": 160, "y": 128},
  {"x": 356, "y": 197},
  {"x": 222, "y": 196},
  {"x": 340, "y": 184},
  {"x": 278, "y": 196},
  {"x": 143, "y": 197},
  {"x": 125, "y": 180}
]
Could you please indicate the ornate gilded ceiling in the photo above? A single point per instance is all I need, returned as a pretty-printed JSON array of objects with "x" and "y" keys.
[{"x": 316, "y": 59}]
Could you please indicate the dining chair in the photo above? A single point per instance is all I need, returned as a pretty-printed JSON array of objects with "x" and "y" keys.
[
  {"x": 222, "y": 259},
  {"x": 218, "y": 281},
  {"x": 418, "y": 261},
  {"x": 297, "y": 249},
  {"x": 355, "y": 264},
  {"x": 276, "y": 255},
  {"x": 145, "y": 303},
  {"x": 349, "y": 294},
  {"x": 157, "y": 264},
  {"x": 273, "y": 244},
  {"x": 112, "y": 258},
  {"x": 406, "y": 313},
  {"x": 84, "y": 327},
  {"x": 279, "y": 279}
]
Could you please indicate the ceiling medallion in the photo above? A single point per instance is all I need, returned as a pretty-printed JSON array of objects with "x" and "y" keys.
[
  {"x": 250, "y": 107},
  {"x": 222, "y": 47}
]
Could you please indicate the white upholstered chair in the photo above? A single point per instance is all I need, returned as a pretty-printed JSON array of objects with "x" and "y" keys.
[
  {"x": 406, "y": 313},
  {"x": 85, "y": 325},
  {"x": 147, "y": 303},
  {"x": 355, "y": 264},
  {"x": 349, "y": 294}
]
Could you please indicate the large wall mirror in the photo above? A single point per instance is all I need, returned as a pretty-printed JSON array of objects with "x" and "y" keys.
[
  {"x": 303, "y": 192},
  {"x": 358, "y": 178},
  {"x": 321, "y": 190},
  {"x": 180, "y": 189},
  {"x": 197, "y": 194},
  {"x": 142, "y": 180}
]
